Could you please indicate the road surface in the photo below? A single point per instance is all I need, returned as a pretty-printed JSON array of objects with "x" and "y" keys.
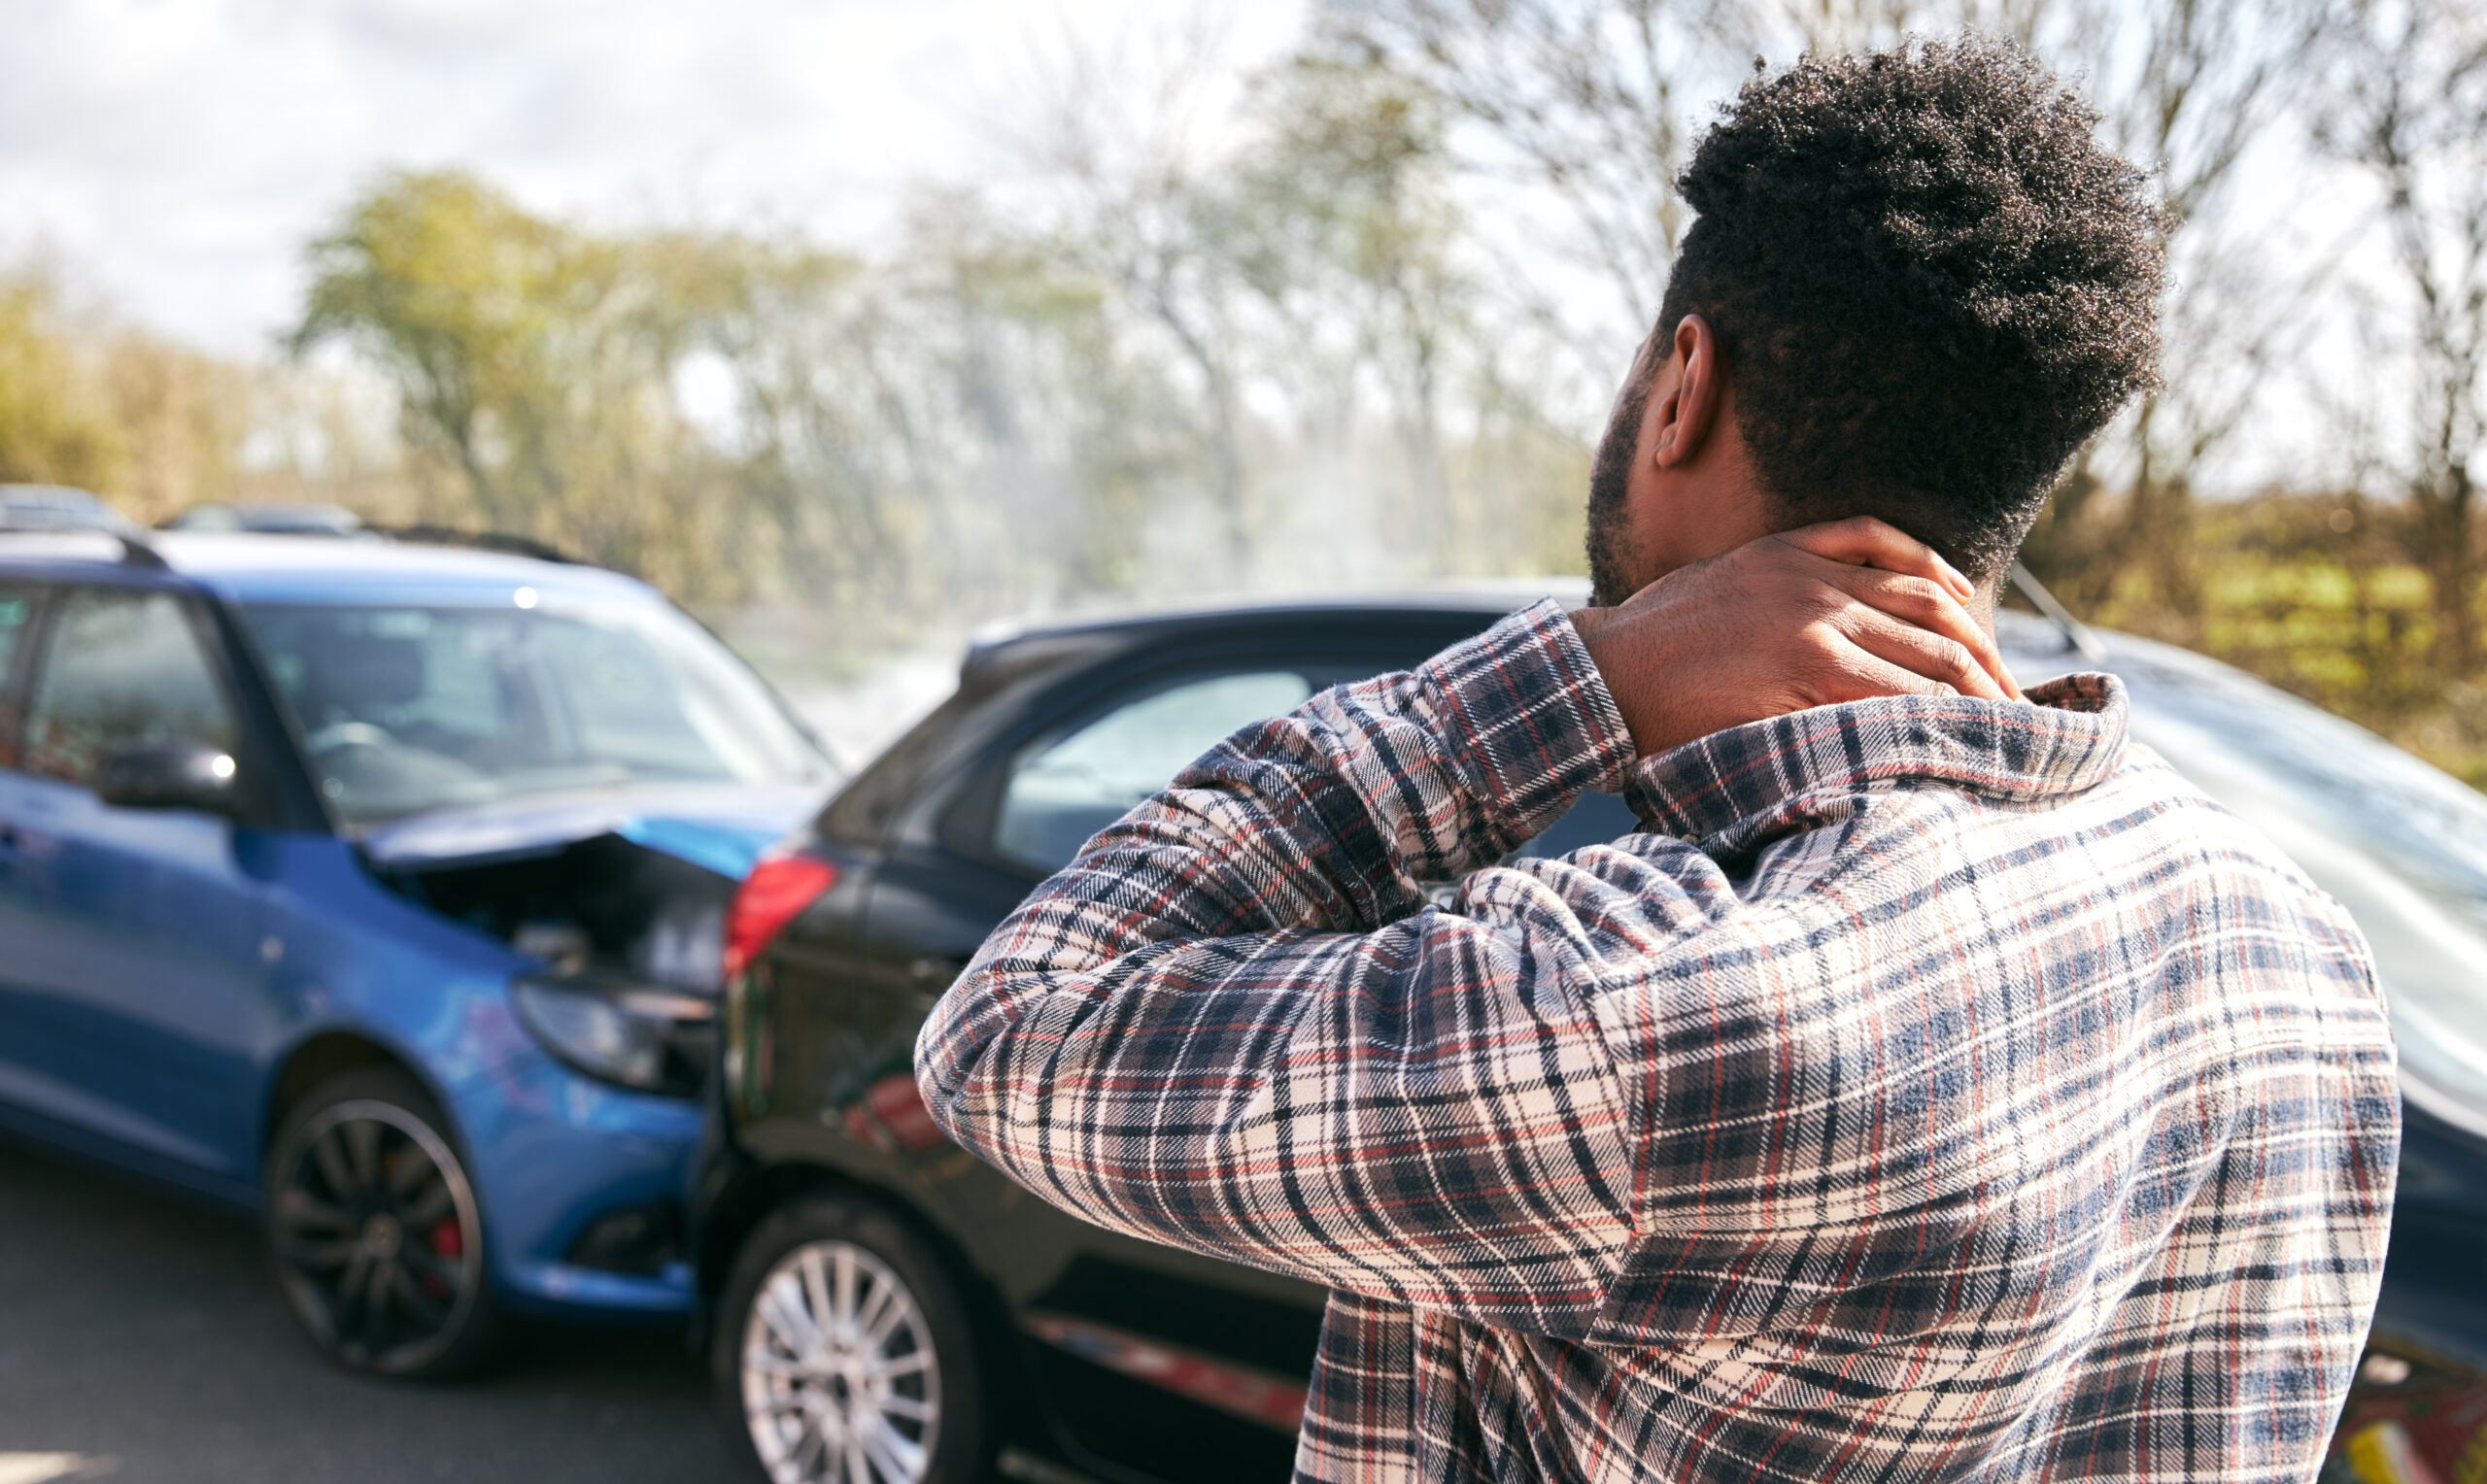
[{"x": 142, "y": 1341}]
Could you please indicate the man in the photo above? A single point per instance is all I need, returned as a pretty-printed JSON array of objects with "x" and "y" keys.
[{"x": 1940, "y": 1089}]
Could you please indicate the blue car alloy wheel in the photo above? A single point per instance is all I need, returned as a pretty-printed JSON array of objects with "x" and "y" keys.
[{"x": 374, "y": 1231}]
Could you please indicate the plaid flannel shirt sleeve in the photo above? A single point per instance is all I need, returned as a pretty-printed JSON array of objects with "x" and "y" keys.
[{"x": 1233, "y": 1024}]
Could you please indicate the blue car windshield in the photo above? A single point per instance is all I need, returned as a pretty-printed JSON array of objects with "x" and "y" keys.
[{"x": 405, "y": 709}]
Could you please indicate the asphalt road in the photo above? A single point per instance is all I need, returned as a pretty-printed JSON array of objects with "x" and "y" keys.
[{"x": 142, "y": 1341}]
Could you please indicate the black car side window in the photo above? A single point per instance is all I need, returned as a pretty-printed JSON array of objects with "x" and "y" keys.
[
  {"x": 120, "y": 666},
  {"x": 1061, "y": 789}
]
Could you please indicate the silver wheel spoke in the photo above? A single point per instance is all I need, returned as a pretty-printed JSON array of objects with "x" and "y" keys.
[
  {"x": 809, "y": 1445},
  {"x": 901, "y": 1365},
  {"x": 891, "y": 1317},
  {"x": 838, "y": 1312},
  {"x": 779, "y": 1366},
  {"x": 900, "y": 1461},
  {"x": 781, "y": 1308},
  {"x": 817, "y": 1305},
  {"x": 904, "y": 1406},
  {"x": 866, "y": 1319}
]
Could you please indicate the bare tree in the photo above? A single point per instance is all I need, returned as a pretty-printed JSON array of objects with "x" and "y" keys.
[
  {"x": 1115, "y": 141},
  {"x": 2211, "y": 83},
  {"x": 1583, "y": 105},
  {"x": 2414, "y": 119}
]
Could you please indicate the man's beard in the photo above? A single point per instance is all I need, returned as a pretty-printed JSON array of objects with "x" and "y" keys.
[{"x": 1614, "y": 561}]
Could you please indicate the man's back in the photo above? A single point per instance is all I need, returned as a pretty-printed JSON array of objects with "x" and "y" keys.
[
  {"x": 1941, "y": 1089},
  {"x": 2012, "y": 1113}
]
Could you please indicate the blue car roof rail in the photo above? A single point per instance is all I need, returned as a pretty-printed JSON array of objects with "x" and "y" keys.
[{"x": 135, "y": 552}]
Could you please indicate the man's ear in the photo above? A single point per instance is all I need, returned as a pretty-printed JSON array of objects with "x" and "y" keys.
[{"x": 1687, "y": 410}]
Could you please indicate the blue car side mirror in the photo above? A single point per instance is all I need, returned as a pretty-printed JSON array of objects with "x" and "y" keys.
[{"x": 173, "y": 774}]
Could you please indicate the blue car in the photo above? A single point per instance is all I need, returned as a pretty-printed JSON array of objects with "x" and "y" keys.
[{"x": 381, "y": 888}]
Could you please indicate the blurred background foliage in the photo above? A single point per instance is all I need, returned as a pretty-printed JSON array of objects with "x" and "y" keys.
[{"x": 1356, "y": 325}]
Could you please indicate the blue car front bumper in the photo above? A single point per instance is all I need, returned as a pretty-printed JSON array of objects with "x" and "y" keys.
[{"x": 554, "y": 1154}]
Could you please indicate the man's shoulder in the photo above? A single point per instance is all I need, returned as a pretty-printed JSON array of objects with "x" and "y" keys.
[
  {"x": 2142, "y": 829},
  {"x": 2178, "y": 813}
]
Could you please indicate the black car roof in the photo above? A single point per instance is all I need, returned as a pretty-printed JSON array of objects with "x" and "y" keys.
[{"x": 1009, "y": 648}]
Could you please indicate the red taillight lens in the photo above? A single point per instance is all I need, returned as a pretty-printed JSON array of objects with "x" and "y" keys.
[{"x": 776, "y": 892}]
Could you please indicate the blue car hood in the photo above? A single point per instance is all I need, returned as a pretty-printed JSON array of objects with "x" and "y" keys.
[{"x": 718, "y": 828}]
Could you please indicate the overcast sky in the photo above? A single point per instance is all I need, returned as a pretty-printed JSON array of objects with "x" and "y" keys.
[{"x": 175, "y": 155}]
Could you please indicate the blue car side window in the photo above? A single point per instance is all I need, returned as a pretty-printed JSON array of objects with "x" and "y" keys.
[
  {"x": 122, "y": 667},
  {"x": 17, "y": 613}
]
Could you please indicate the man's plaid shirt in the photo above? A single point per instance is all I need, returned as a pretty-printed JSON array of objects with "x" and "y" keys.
[{"x": 1939, "y": 1090}]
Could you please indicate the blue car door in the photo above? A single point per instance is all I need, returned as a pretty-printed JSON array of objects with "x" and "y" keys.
[{"x": 132, "y": 994}]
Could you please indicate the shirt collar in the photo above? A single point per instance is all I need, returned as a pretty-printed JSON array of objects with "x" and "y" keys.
[{"x": 1732, "y": 792}]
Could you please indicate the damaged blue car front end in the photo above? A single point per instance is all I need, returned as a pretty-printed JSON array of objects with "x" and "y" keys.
[{"x": 573, "y": 1070}]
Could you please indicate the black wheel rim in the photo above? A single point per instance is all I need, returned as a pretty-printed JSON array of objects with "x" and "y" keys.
[{"x": 376, "y": 1237}]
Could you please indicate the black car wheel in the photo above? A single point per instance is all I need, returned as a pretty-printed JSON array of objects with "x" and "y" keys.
[
  {"x": 374, "y": 1229},
  {"x": 843, "y": 1355}
]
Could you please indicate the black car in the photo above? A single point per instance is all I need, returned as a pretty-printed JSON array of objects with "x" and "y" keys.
[{"x": 886, "y": 1307}]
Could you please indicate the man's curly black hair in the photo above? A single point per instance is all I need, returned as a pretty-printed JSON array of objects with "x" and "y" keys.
[{"x": 1929, "y": 283}]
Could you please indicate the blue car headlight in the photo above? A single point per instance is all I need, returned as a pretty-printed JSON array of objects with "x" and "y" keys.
[{"x": 653, "y": 1040}]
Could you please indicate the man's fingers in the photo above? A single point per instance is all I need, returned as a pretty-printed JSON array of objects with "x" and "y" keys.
[
  {"x": 1861, "y": 541},
  {"x": 1864, "y": 675},
  {"x": 1921, "y": 602},
  {"x": 1921, "y": 652}
]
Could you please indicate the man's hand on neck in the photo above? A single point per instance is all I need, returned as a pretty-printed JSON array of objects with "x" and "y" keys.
[{"x": 1842, "y": 611}]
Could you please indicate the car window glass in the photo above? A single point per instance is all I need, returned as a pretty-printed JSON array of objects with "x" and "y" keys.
[
  {"x": 120, "y": 667},
  {"x": 404, "y": 709},
  {"x": 1061, "y": 791},
  {"x": 17, "y": 613}
]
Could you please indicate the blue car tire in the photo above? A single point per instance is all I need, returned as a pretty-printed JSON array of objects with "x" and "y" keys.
[
  {"x": 843, "y": 1354},
  {"x": 373, "y": 1227}
]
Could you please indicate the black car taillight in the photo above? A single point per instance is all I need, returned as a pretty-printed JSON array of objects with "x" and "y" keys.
[{"x": 776, "y": 892}]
